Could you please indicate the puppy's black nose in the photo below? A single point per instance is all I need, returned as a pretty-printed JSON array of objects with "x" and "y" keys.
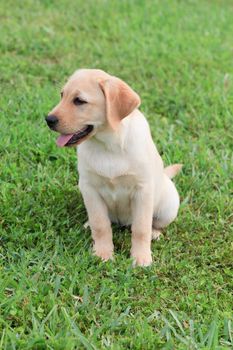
[{"x": 51, "y": 121}]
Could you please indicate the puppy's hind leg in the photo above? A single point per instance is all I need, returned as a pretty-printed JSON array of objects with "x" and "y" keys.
[
  {"x": 168, "y": 206},
  {"x": 86, "y": 225},
  {"x": 156, "y": 234}
]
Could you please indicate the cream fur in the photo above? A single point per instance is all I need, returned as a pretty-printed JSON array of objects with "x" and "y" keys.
[{"x": 121, "y": 174}]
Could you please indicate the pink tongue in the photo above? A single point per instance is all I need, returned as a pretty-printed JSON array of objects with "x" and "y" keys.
[{"x": 63, "y": 139}]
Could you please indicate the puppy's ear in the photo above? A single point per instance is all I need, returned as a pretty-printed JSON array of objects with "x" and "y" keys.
[{"x": 121, "y": 100}]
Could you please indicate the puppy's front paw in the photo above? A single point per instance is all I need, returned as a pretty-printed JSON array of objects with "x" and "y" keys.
[
  {"x": 103, "y": 252},
  {"x": 141, "y": 259}
]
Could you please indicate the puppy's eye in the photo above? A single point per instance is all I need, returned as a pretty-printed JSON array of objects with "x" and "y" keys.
[
  {"x": 61, "y": 94},
  {"x": 77, "y": 101}
]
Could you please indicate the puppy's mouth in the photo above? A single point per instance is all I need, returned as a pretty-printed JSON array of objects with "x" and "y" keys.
[{"x": 72, "y": 139}]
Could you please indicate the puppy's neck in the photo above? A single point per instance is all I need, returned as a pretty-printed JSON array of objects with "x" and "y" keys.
[{"x": 113, "y": 140}]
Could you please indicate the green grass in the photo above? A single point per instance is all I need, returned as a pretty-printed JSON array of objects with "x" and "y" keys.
[{"x": 53, "y": 293}]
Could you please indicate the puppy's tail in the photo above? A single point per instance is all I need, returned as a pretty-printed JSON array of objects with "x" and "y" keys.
[{"x": 172, "y": 170}]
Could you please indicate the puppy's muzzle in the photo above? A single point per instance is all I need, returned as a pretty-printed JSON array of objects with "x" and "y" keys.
[{"x": 51, "y": 121}]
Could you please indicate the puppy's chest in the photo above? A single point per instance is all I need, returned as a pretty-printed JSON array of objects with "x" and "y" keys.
[
  {"x": 108, "y": 165},
  {"x": 111, "y": 174},
  {"x": 119, "y": 189}
]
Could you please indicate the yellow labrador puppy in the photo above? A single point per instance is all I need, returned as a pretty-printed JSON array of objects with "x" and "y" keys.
[{"x": 121, "y": 174}]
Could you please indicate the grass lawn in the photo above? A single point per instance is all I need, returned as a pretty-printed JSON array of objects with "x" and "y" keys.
[{"x": 53, "y": 293}]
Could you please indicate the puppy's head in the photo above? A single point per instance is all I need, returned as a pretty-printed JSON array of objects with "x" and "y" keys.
[{"x": 90, "y": 101}]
